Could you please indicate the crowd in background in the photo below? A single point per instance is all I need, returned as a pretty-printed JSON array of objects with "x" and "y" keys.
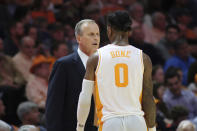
[{"x": 35, "y": 33}]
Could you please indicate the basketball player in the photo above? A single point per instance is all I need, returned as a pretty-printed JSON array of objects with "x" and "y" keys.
[{"x": 119, "y": 76}]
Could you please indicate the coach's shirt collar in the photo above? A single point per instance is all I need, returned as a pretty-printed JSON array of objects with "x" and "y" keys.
[{"x": 83, "y": 56}]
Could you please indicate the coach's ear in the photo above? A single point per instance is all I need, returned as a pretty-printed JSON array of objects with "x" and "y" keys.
[{"x": 78, "y": 38}]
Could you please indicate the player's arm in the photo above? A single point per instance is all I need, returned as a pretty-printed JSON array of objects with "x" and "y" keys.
[
  {"x": 148, "y": 104},
  {"x": 86, "y": 93}
]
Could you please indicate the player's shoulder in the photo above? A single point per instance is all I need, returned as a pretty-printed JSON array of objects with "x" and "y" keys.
[
  {"x": 134, "y": 48},
  {"x": 104, "y": 47}
]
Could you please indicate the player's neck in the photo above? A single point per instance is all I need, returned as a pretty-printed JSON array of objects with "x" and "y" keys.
[{"x": 120, "y": 40}]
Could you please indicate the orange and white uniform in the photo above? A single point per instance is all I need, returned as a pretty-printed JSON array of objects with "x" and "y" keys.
[{"x": 119, "y": 79}]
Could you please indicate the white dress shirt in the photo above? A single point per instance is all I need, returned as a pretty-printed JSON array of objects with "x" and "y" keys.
[{"x": 83, "y": 56}]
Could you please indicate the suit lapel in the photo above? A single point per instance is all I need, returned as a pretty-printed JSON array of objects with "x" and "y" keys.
[{"x": 78, "y": 64}]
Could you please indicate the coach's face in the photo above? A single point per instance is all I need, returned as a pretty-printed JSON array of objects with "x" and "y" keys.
[{"x": 89, "y": 38}]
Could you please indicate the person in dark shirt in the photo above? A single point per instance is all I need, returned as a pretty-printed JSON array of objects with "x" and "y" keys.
[
  {"x": 12, "y": 40},
  {"x": 137, "y": 40}
]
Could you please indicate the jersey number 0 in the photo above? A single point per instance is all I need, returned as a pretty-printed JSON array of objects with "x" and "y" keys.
[{"x": 118, "y": 75}]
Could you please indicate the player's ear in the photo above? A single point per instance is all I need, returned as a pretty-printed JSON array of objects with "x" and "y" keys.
[
  {"x": 130, "y": 33},
  {"x": 109, "y": 30}
]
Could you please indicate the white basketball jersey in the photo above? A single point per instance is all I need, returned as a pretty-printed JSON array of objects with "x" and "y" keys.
[{"x": 119, "y": 78}]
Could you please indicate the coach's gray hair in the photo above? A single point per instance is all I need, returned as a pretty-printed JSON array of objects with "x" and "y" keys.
[
  {"x": 26, "y": 127},
  {"x": 4, "y": 126},
  {"x": 79, "y": 25},
  {"x": 186, "y": 125},
  {"x": 24, "y": 108}
]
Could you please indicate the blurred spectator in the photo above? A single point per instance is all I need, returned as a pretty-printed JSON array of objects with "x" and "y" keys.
[
  {"x": 5, "y": 19},
  {"x": 11, "y": 97},
  {"x": 162, "y": 110},
  {"x": 126, "y": 3},
  {"x": 70, "y": 38},
  {"x": 9, "y": 75},
  {"x": 110, "y": 6},
  {"x": 184, "y": 19},
  {"x": 181, "y": 59},
  {"x": 29, "y": 114},
  {"x": 158, "y": 92},
  {"x": 44, "y": 50},
  {"x": 27, "y": 18},
  {"x": 57, "y": 33},
  {"x": 12, "y": 40},
  {"x": 69, "y": 32},
  {"x": 187, "y": 33},
  {"x": 4, "y": 126},
  {"x": 178, "y": 5},
  {"x": 175, "y": 95},
  {"x": 180, "y": 73},
  {"x": 11, "y": 87},
  {"x": 71, "y": 12},
  {"x": 178, "y": 114},
  {"x": 41, "y": 10},
  {"x": 192, "y": 77},
  {"x": 92, "y": 11},
  {"x": 37, "y": 86},
  {"x": 157, "y": 32},
  {"x": 40, "y": 48},
  {"x": 137, "y": 40},
  {"x": 165, "y": 45},
  {"x": 23, "y": 59},
  {"x": 58, "y": 50},
  {"x": 32, "y": 32},
  {"x": 158, "y": 74},
  {"x": 42, "y": 31},
  {"x": 183, "y": 16},
  {"x": 28, "y": 128},
  {"x": 186, "y": 125},
  {"x": 23, "y": 14},
  {"x": 137, "y": 13}
]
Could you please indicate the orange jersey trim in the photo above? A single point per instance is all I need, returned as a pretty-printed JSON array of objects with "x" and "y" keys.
[
  {"x": 99, "y": 62},
  {"x": 101, "y": 127},
  {"x": 99, "y": 105},
  {"x": 141, "y": 54}
]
